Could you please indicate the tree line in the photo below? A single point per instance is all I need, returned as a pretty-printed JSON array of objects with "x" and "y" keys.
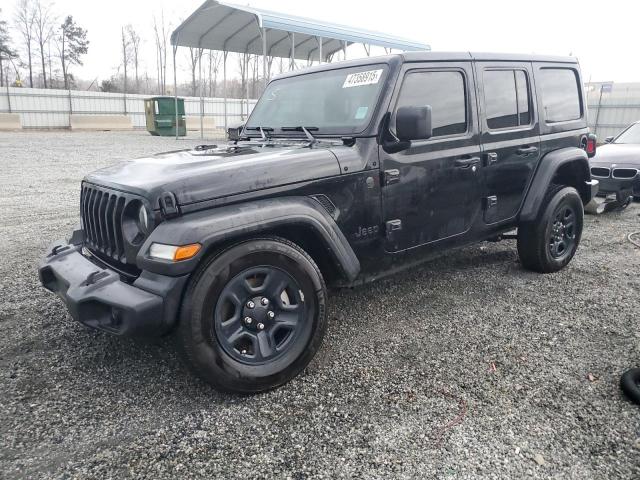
[{"x": 45, "y": 46}]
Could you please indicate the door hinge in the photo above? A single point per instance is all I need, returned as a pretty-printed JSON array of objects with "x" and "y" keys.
[
  {"x": 391, "y": 176},
  {"x": 392, "y": 226},
  {"x": 490, "y": 202}
]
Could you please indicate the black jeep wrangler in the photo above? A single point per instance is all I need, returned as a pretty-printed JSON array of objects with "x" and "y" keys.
[{"x": 343, "y": 173}]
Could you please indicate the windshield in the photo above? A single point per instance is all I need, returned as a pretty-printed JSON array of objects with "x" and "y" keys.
[
  {"x": 329, "y": 102},
  {"x": 630, "y": 135}
]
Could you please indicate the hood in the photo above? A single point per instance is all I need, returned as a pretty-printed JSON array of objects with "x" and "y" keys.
[
  {"x": 618, "y": 153},
  {"x": 211, "y": 172}
]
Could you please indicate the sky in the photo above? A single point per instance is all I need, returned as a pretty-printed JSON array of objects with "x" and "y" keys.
[{"x": 602, "y": 35}]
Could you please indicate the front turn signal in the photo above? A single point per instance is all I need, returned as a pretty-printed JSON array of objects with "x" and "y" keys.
[
  {"x": 174, "y": 253},
  {"x": 186, "y": 252}
]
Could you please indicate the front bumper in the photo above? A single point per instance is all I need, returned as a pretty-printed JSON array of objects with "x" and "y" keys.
[{"x": 97, "y": 297}]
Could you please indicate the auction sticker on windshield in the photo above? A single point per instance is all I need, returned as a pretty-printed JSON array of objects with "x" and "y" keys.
[{"x": 362, "y": 78}]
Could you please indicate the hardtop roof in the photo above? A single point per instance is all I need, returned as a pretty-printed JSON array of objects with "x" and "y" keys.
[{"x": 428, "y": 56}]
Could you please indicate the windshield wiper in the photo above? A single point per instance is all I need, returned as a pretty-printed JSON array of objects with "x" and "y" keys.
[
  {"x": 261, "y": 130},
  {"x": 306, "y": 130}
]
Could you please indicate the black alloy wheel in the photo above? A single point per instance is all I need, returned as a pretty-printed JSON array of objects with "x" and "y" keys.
[
  {"x": 259, "y": 315},
  {"x": 562, "y": 237}
]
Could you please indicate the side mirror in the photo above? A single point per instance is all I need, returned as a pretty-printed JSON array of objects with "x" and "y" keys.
[
  {"x": 609, "y": 139},
  {"x": 414, "y": 123}
]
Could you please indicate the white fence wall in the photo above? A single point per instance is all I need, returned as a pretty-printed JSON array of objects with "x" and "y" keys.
[
  {"x": 612, "y": 111},
  {"x": 40, "y": 108}
]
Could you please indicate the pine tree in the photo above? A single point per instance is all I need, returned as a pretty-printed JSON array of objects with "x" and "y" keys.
[{"x": 72, "y": 44}]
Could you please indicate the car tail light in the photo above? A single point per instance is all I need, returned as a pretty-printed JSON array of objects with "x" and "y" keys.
[{"x": 590, "y": 145}]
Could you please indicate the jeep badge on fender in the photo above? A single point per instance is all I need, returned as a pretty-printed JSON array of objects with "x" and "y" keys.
[{"x": 342, "y": 173}]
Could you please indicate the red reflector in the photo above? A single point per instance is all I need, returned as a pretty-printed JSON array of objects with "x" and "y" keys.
[{"x": 591, "y": 146}]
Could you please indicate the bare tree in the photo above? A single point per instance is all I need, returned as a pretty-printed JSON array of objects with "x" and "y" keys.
[
  {"x": 134, "y": 41},
  {"x": 243, "y": 66},
  {"x": 126, "y": 55},
  {"x": 43, "y": 23},
  {"x": 161, "y": 38},
  {"x": 25, "y": 19},
  {"x": 214, "y": 66},
  {"x": 194, "y": 57}
]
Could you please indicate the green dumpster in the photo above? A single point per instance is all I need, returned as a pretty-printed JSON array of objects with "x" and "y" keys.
[{"x": 160, "y": 113}]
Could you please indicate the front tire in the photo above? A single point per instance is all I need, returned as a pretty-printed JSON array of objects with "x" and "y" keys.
[
  {"x": 549, "y": 243},
  {"x": 253, "y": 316}
]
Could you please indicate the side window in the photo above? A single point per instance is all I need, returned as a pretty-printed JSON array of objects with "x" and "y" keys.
[
  {"x": 446, "y": 94},
  {"x": 560, "y": 92},
  {"x": 506, "y": 98}
]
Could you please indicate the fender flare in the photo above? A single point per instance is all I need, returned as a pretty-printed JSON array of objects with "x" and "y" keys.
[
  {"x": 547, "y": 169},
  {"x": 216, "y": 226}
]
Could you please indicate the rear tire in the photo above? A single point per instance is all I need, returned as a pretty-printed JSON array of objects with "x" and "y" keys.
[
  {"x": 549, "y": 243},
  {"x": 253, "y": 316}
]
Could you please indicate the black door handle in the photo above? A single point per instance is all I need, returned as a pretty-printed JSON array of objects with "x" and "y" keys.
[
  {"x": 524, "y": 151},
  {"x": 466, "y": 162}
]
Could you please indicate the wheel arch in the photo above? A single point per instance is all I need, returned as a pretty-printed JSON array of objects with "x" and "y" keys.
[
  {"x": 297, "y": 219},
  {"x": 567, "y": 166}
]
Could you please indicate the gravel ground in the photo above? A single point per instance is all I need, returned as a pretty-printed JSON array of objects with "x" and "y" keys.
[{"x": 468, "y": 367}]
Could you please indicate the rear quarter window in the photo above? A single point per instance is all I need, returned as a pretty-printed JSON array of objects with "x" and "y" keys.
[{"x": 560, "y": 92}]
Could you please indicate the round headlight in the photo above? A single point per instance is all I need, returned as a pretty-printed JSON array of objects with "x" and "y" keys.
[{"x": 143, "y": 219}]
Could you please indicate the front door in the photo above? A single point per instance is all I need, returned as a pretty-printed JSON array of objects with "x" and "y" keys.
[{"x": 432, "y": 191}]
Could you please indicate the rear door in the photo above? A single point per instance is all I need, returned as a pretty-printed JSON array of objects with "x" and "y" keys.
[
  {"x": 432, "y": 190},
  {"x": 510, "y": 136}
]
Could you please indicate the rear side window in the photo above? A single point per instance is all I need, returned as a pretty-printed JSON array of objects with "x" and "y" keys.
[
  {"x": 560, "y": 93},
  {"x": 506, "y": 98},
  {"x": 444, "y": 92}
]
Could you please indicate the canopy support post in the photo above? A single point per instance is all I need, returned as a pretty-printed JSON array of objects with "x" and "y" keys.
[
  {"x": 344, "y": 49},
  {"x": 175, "y": 87},
  {"x": 201, "y": 96},
  {"x": 319, "y": 49},
  {"x": 246, "y": 94},
  {"x": 264, "y": 58},
  {"x": 224, "y": 86},
  {"x": 292, "y": 63}
]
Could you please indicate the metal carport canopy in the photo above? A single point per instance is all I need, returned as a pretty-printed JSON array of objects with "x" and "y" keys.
[{"x": 223, "y": 26}]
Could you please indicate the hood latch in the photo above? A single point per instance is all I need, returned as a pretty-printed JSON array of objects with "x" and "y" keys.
[{"x": 168, "y": 205}]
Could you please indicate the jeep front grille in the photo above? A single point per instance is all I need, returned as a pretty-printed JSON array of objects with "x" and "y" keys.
[
  {"x": 624, "y": 172},
  {"x": 101, "y": 211},
  {"x": 601, "y": 172}
]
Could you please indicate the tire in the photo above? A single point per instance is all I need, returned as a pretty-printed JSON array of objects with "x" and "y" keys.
[
  {"x": 630, "y": 384},
  {"x": 215, "y": 336},
  {"x": 548, "y": 244}
]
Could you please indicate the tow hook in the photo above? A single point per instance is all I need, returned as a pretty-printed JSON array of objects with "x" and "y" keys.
[
  {"x": 57, "y": 249},
  {"x": 93, "y": 277}
]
